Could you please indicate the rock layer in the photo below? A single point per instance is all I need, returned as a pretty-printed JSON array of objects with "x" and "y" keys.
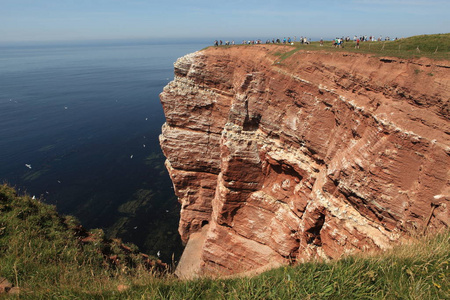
[{"x": 316, "y": 156}]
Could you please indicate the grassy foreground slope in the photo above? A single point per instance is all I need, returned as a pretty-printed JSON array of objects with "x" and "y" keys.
[
  {"x": 50, "y": 257},
  {"x": 417, "y": 271},
  {"x": 44, "y": 253}
]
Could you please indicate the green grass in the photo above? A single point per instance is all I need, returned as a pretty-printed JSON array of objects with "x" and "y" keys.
[
  {"x": 435, "y": 46},
  {"x": 420, "y": 271},
  {"x": 42, "y": 253}
]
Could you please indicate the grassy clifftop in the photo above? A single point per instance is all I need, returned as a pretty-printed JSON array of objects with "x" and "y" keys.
[
  {"x": 434, "y": 46},
  {"x": 52, "y": 257}
]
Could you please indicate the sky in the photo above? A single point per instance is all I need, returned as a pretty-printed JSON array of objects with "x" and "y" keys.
[{"x": 60, "y": 20}]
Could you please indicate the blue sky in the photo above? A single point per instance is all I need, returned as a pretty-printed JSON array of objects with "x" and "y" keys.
[{"x": 55, "y": 20}]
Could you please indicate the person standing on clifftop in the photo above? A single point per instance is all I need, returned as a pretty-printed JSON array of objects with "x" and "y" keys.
[{"x": 357, "y": 44}]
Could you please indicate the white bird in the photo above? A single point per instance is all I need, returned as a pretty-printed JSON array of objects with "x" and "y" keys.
[
  {"x": 28, "y": 166},
  {"x": 146, "y": 119},
  {"x": 135, "y": 227},
  {"x": 131, "y": 156},
  {"x": 144, "y": 145},
  {"x": 159, "y": 253},
  {"x": 34, "y": 197},
  {"x": 65, "y": 107},
  {"x": 59, "y": 181}
]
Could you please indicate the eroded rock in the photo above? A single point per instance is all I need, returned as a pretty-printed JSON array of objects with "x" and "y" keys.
[{"x": 320, "y": 156}]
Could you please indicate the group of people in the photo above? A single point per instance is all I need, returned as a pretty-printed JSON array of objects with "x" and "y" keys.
[
  {"x": 371, "y": 38},
  {"x": 303, "y": 40},
  {"x": 338, "y": 42},
  {"x": 227, "y": 43}
]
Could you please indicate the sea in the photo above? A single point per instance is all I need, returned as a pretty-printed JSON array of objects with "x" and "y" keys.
[{"x": 79, "y": 127}]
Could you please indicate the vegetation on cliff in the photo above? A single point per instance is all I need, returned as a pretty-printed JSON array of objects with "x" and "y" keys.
[
  {"x": 44, "y": 253},
  {"x": 49, "y": 256},
  {"x": 435, "y": 46}
]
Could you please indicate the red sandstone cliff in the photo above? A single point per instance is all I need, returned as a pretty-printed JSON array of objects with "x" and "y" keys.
[{"x": 321, "y": 155}]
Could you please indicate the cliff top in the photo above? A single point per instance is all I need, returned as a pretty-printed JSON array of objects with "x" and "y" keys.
[{"x": 435, "y": 47}]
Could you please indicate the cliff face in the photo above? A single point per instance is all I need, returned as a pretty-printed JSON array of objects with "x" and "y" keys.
[{"x": 318, "y": 156}]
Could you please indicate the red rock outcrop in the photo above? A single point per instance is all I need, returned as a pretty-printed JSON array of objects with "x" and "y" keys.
[{"x": 316, "y": 156}]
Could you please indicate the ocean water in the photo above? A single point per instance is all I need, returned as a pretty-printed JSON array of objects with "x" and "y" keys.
[{"x": 79, "y": 128}]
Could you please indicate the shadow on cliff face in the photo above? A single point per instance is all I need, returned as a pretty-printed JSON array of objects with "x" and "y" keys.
[
  {"x": 312, "y": 234},
  {"x": 251, "y": 123}
]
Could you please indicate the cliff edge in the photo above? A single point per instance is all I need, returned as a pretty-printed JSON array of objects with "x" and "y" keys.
[{"x": 316, "y": 156}]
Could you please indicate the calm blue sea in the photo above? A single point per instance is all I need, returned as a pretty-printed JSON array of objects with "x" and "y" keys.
[{"x": 79, "y": 128}]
